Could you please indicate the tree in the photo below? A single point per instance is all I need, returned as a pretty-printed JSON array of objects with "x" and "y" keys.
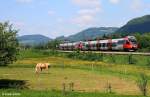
[
  {"x": 40, "y": 46},
  {"x": 8, "y": 44},
  {"x": 144, "y": 41},
  {"x": 53, "y": 44}
]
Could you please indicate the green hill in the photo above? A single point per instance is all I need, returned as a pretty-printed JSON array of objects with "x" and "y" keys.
[
  {"x": 90, "y": 33},
  {"x": 138, "y": 25},
  {"x": 33, "y": 39}
]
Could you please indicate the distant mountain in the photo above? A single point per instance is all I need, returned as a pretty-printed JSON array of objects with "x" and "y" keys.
[
  {"x": 90, "y": 33},
  {"x": 138, "y": 25},
  {"x": 61, "y": 38},
  {"x": 33, "y": 39}
]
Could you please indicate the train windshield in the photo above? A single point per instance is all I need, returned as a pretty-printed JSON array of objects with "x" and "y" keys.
[{"x": 133, "y": 41}]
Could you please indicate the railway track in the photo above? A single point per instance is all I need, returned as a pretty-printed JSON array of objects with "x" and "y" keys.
[{"x": 117, "y": 53}]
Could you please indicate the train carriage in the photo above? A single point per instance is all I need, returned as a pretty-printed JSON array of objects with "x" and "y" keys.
[{"x": 121, "y": 44}]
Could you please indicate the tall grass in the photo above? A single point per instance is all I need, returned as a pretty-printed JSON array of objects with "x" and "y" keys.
[
  {"x": 85, "y": 56},
  {"x": 140, "y": 60}
]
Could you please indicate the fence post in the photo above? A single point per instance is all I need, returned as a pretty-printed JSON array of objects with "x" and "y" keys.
[
  {"x": 113, "y": 58},
  {"x": 92, "y": 67},
  {"x": 64, "y": 89},
  {"x": 71, "y": 86},
  {"x": 130, "y": 59},
  {"x": 109, "y": 88},
  {"x": 102, "y": 55}
]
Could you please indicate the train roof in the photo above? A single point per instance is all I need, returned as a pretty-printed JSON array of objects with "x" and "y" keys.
[
  {"x": 103, "y": 41},
  {"x": 70, "y": 44}
]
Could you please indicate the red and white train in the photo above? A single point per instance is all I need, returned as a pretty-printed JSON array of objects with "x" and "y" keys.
[{"x": 129, "y": 43}]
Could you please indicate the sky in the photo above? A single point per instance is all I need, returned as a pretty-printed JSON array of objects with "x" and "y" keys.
[{"x": 54, "y": 18}]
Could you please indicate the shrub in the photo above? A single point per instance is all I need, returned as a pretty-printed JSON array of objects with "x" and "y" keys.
[{"x": 142, "y": 83}]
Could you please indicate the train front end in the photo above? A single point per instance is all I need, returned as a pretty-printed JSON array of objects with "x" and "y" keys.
[{"x": 130, "y": 44}]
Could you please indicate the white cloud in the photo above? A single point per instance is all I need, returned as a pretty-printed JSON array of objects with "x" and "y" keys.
[
  {"x": 24, "y": 1},
  {"x": 50, "y": 12},
  {"x": 137, "y": 5},
  {"x": 83, "y": 20},
  {"x": 18, "y": 24},
  {"x": 88, "y": 10},
  {"x": 60, "y": 20},
  {"x": 114, "y": 1},
  {"x": 87, "y": 3}
]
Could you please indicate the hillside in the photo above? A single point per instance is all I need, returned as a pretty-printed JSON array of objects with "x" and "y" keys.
[
  {"x": 138, "y": 25},
  {"x": 89, "y": 33},
  {"x": 33, "y": 39}
]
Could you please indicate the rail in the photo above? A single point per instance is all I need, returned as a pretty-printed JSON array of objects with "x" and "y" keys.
[{"x": 117, "y": 53}]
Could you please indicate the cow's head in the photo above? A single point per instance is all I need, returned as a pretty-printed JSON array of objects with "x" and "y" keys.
[{"x": 49, "y": 65}]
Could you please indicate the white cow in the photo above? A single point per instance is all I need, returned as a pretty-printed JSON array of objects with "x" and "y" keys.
[{"x": 40, "y": 66}]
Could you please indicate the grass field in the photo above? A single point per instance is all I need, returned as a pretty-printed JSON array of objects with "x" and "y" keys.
[
  {"x": 86, "y": 81},
  {"x": 107, "y": 58},
  {"x": 89, "y": 77},
  {"x": 32, "y": 93}
]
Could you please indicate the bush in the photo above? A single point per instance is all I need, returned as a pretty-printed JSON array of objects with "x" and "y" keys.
[
  {"x": 142, "y": 83},
  {"x": 131, "y": 60},
  {"x": 85, "y": 56}
]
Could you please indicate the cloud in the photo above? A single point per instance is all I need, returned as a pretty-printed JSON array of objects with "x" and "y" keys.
[
  {"x": 114, "y": 1},
  {"x": 18, "y": 24},
  {"x": 50, "y": 12},
  {"x": 24, "y": 1},
  {"x": 87, "y": 3},
  {"x": 88, "y": 10},
  {"x": 60, "y": 20},
  {"x": 137, "y": 5},
  {"x": 83, "y": 20}
]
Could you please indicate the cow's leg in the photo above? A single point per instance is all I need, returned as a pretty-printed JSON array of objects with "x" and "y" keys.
[{"x": 37, "y": 70}]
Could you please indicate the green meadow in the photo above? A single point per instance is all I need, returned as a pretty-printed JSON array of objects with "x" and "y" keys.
[{"x": 91, "y": 75}]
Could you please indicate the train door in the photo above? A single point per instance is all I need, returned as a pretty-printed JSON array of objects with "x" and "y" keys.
[
  {"x": 98, "y": 45},
  {"x": 102, "y": 46},
  {"x": 109, "y": 44},
  {"x": 89, "y": 45},
  {"x": 120, "y": 44}
]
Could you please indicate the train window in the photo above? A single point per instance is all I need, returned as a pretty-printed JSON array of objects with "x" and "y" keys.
[
  {"x": 103, "y": 45},
  {"x": 83, "y": 44},
  {"x": 87, "y": 45},
  {"x": 92, "y": 45},
  {"x": 133, "y": 41},
  {"x": 114, "y": 44},
  {"x": 121, "y": 41},
  {"x": 98, "y": 44},
  {"x": 106, "y": 45}
]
